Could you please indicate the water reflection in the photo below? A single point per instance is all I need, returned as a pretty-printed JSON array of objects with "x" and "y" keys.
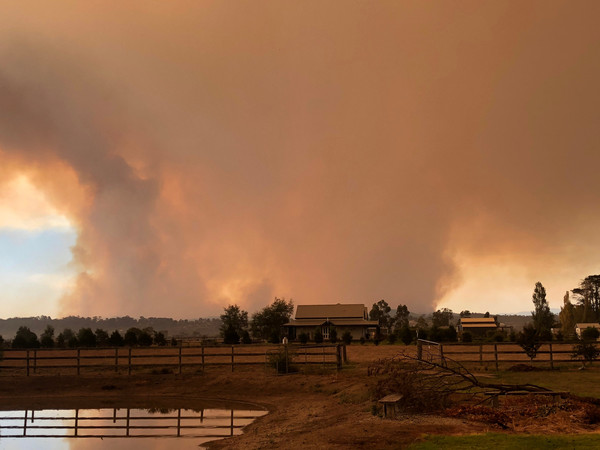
[{"x": 100, "y": 428}]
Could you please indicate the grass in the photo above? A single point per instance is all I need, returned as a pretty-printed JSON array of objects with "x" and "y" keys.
[
  {"x": 578, "y": 382},
  {"x": 499, "y": 441}
]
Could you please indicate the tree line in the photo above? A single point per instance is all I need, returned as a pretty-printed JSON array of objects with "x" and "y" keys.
[{"x": 85, "y": 337}]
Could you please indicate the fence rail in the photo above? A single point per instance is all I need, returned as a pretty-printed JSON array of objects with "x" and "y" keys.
[
  {"x": 496, "y": 353},
  {"x": 129, "y": 359}
]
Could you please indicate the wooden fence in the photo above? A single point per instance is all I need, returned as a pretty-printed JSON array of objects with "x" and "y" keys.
[
  {"x": 550, "y": 353},
  {"x": 169, "y": 359}
]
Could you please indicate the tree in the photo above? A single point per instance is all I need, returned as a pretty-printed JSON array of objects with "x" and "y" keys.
[
  {"x": 66, "y": 339},
  {"x": 401, "y": 318},
  {"x": 47, "y": 337},
  {"x": 160, "y": 339},
  {"x": 101, "y": 337},
  {"x": 442, "y": 317},
  {"x": 529, "y": 340},
  {"x": 115, "y": 339},
  {"x": 381, "y": 313},
  {"x": 487, "y": 314},
  {"x": 267, "y": 323},
  {"x": 25, "y": 338},
  {"x": 567, "y": 318},
  {"x": 145, "y": 337},
  {"x": 406, "y": 336},
  {"x": 233, "y": 322},
  {"x": 131, "y": 337},
  {"x": 588, "y": 294},
  {"x": 465, "y": 313},
  {"x": 543, "y": 319},
  {"x": 590, "y": 334},
  {"x": 86, "y": 337}
]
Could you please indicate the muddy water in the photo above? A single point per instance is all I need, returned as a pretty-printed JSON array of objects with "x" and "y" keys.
[{"x": 120, "y": 428}]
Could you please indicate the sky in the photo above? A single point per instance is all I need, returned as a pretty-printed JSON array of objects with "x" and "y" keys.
[{"x": 172, "y": 158}]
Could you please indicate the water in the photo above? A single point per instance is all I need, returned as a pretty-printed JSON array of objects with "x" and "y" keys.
[{"x": 122, "y": 428}]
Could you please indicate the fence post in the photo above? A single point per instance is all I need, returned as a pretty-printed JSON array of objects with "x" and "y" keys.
[
  {"x": 419, "y": 350},
  {"x": 180, "y": 359},
  {"x": 338, "y": 355},
  {"x": 551, "y": 357},
  {"x": 345, "y": 355},
  {"x": 496, "y": 354},
  {"x": 286, "y": 358},
  {"x": 27, "y": 362},
  {"x": 481, "y": 353},
  {"x": 442, "y": 354},
  {"x": 78, "y": 361},
  {"x": 232, "y": 356},
  {"x": 34, "y": 361},
  {"x": 116, "y": 359},
  {"x": 128, "y": 373},
  {"x": 202, "y": 356}
]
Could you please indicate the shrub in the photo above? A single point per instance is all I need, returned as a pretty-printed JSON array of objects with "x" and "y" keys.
[
  {"x": 362, "y": 340},
  {"x": 406, "y": 336},
  {"x": 333, "y": 336},
  {"x": 590, "y": 334},
  {"x": 498, "y": 337},
  {"x": 529, "y": 341},
  {"x": 467, "y": 337},
  {"x": 280, "y": 362},
  {"x": 318, "y": 336},
  {"x": 586, "y": 350},
  {"x": 303, "y": 338},
  {"x": 392, "y": 338},
  {"x": 347, "y": 337}
]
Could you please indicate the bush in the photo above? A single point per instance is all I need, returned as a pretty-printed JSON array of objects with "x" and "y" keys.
[
  {"x": 303, "y": 338},
  {"x": 590, "y": 334},
  {"x": 333, "y": 336},
  {"x": 278, "y": 360},
  {"x": 498, "y": 337},
  {"x": 586, "y": 350},
  {"x": 318, "y": 336},
  {"x": 392, "y": 338},
  {"x": 406, "y": 336},
  {"x": 467, "y": 337},
  {"x": 347, "y": 337},
  {"x": 362, "y": 340}
]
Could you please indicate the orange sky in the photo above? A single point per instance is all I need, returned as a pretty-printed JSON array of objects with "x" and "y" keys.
[{"x": 430, "y": 153}]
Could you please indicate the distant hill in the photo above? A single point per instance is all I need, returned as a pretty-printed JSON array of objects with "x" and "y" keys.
[{"x": 170, "y": 327}]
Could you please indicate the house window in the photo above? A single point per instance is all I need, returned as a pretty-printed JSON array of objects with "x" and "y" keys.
[{"x": 325, "y": 331}]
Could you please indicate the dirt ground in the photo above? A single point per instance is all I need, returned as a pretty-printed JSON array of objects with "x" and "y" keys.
[{"x": 324, "y": 409}]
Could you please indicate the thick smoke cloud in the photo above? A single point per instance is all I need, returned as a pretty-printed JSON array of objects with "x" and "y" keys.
[{"x": 230, "y": 152}]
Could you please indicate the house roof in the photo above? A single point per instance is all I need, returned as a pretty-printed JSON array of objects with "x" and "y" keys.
[
  {"x": 469, "y": 320},
  {"x": 339, "y": 310},
  {"x": 334, "y": 322},
  {"x": 479, "y": 325},
  {"x": 588, "y": 325}
]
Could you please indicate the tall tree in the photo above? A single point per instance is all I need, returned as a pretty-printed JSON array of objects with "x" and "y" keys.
[
  {"x": 401, "y": 317},
  {"x": 567, "y": 318},
  {"x": 543, "y": 319},
  {"x": 381, "y": 312},
  {"x": 442, "y": 317},
  {"x": 588, "y": 295},
  {"x": 267, "y": 323},
  {"x": 233, "y": 323}
]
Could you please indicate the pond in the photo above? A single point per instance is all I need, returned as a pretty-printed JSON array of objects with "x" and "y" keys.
[{"x": 120, "y": 428}]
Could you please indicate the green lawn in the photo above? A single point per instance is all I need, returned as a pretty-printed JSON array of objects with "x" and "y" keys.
[{"x": 499, "y": 441}]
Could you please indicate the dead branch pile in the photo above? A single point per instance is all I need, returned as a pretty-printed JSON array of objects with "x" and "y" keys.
[{"x": 432, "y": 383}]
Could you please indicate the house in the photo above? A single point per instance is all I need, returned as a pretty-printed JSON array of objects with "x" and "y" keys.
[
  {"x": 579, "y": 327},
  {"x": 477, "y": 326},
  {"x": 343, "y": 317}
]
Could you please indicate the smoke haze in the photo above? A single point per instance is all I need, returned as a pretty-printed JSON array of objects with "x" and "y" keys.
[{"x": 428, "y": 153}]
